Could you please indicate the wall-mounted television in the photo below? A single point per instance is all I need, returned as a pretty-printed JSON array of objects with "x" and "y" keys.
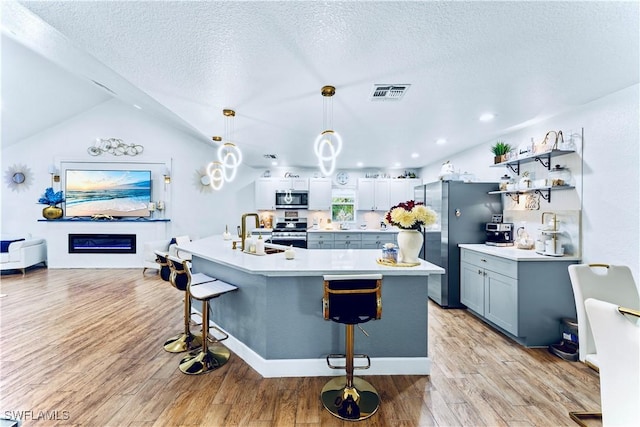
[{"x": 117, "y": 193}]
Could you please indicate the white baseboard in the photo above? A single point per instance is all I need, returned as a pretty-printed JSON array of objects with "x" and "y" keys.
[{"x": 278, "y": 368}]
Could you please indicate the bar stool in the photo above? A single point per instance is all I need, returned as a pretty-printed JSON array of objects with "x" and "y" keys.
[
  {"x": 181, "y": 278},
  {"x": 161, "y": 260},
  {"x": 210, "y": 357},
  {"x": 351, "y": 300}
]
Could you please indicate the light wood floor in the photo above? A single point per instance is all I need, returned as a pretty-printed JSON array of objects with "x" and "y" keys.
[{"x": 88, "y": 344}]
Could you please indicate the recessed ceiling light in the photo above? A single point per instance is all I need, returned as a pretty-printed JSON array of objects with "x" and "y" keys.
[
  {"x": 441, "y": 141},
  {"x": 137, "y": 106},
  {"x": 274, "y": 163},
  {"x": 415, "y": 155},
  {"x": 397, "y": 164},
  {"x": 486, "y": 117},
  {"x": 359, "y": 164}
]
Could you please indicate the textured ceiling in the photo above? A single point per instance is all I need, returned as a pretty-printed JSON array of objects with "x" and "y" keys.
[{"x": 268, "y": 61}]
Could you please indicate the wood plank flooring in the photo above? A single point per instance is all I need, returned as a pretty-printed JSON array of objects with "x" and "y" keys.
[{"x": 84, "y": 348}]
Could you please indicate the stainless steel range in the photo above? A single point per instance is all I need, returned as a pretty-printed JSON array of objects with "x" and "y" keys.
[{"x": 290, "y": 230}]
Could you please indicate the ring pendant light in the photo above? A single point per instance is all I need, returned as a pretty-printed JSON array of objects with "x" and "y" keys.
[{"x": 328, "y": 144}]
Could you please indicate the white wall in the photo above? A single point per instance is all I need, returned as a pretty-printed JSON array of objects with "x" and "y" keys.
[
  {"x": 610, "y": 187},
  {"x": 194, "y": 210}
]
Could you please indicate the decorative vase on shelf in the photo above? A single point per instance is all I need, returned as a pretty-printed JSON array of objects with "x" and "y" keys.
[
  {"x": 52, "y": 212},
  {"x": 409, "y": 245}
]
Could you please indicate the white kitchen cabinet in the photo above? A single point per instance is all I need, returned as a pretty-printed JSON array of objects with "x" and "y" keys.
[
  {"x": 319, "y": 240},
  {"x": 525, "y": 299},
  {"x": 291, "y": 183},
  {"x": 347, "y": 241},
  {"x": 377, "y": 241},
  {"x": 401, "y": 190},
  {"x": 265, "y": 194},
  {"x": 373, "y": 194},
  {"x": 319, "y": 194}
]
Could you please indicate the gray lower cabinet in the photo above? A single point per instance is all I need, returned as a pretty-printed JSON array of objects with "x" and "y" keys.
[
  {"x": 347, "y": 241},
  {"x": 524, "y": 299},
  {"x": 376, "y": 241},
  {"x": 319, "y": 240}
]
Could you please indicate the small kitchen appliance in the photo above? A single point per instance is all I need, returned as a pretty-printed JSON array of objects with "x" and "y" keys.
[
  {"x": 499, "y": 234},
  {"x": 292, "y": 199}
]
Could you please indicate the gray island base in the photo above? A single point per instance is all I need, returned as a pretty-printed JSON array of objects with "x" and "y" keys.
[{"x": 275, "y": 319}]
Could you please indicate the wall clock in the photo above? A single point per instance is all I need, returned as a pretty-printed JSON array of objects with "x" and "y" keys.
[
  {"x": 18, "y": 177},
  {"x": 342, "y": 178}
]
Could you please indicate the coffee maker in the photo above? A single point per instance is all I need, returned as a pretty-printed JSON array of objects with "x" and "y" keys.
[{"x": 499, "y": 233}]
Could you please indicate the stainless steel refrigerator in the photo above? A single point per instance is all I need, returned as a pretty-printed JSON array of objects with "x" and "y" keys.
[{"x": 463, "y": 210}]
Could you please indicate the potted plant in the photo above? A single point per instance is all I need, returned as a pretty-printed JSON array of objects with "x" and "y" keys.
[
  {"x": 52, "y": 199},
  {"x": 500, "y": 150}
]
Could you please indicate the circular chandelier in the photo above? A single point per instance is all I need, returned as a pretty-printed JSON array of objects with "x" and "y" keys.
[
  {"x": 225, "y": 168},
  {"x": 328, "y": 144}
]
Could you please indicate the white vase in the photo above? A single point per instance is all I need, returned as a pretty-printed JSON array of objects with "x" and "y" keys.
[{"x": 409, "y": 245}]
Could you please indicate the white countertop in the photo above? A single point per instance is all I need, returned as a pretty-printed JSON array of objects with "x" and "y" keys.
[
  {"x": 307, "y": 262},
  {"x": 513, "y": 253}
]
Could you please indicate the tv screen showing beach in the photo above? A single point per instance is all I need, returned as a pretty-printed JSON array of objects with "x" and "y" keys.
[{"x": 116, "y": 193}]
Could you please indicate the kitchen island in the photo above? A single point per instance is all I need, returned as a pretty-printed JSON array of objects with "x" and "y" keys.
[{"x": 275, "y": 319}]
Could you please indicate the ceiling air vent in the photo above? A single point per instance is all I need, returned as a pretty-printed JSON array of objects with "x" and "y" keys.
[
  {"x": 270, "y": 156},
  {"x": 388, "y": 92}
]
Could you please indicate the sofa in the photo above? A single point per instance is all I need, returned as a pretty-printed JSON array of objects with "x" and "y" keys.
[
  {"x": 18, "y": 253},
  {"x": 166, "y": 246}
]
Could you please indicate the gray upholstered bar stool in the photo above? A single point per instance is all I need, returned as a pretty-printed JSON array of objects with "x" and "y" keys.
[
  {"x": 351, "y": 300},
  {"x": 210, "y": 356},
  {"x": 181, "y": 278}
]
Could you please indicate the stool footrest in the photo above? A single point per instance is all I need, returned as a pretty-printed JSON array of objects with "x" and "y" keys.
[
  {"x": 343, "y": 356},
  {"x": 216, "y": 339}
]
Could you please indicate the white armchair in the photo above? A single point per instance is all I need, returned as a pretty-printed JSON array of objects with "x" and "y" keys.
[
  {"x": 24, "y": 253},
  {"x": 166, "y": 246},
  {"x": 149, "y": 251}
]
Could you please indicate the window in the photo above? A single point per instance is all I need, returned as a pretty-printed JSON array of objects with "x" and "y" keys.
[{"x": 343, "y": 206}]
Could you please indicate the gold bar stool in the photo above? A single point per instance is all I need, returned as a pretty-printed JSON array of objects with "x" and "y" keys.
[
  {"x": 181, "y": 279},
  {"x": 210, "y": 357},
  {"x": 351, "y": 300}
]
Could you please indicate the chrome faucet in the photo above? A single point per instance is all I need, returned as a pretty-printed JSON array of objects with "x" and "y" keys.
[{"x": 243, "y": 226}]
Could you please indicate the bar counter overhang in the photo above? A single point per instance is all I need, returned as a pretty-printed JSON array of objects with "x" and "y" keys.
[{"x": 275, "y": 319}]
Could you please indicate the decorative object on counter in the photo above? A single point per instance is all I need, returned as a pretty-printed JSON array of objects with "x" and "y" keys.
[
  {"x": 328, "y": 144},
  {"x": 260, "y": 245},
  {"x": 551, "y": 246},
  {"x": 289, "y": 253},
  {"x": 524, "y": 241},
  {"x": 115, "y": 147},
  {"x": 410, "y": 217},
  {"x": 500, "y": 150},
  {"x": 226, "y": 235},
  {"x": 390, "y": 252},
  {"x": 18, "y": 177},
  {"x": 52, "y": 199}
]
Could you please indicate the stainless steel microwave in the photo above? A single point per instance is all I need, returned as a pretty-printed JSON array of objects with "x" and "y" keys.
[{"x": 292, "y": 199}]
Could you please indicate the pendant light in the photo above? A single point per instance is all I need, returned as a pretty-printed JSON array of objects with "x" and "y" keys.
[
  {"x": 328, "y": 144},
  {"x": 229, "y": 155}
]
